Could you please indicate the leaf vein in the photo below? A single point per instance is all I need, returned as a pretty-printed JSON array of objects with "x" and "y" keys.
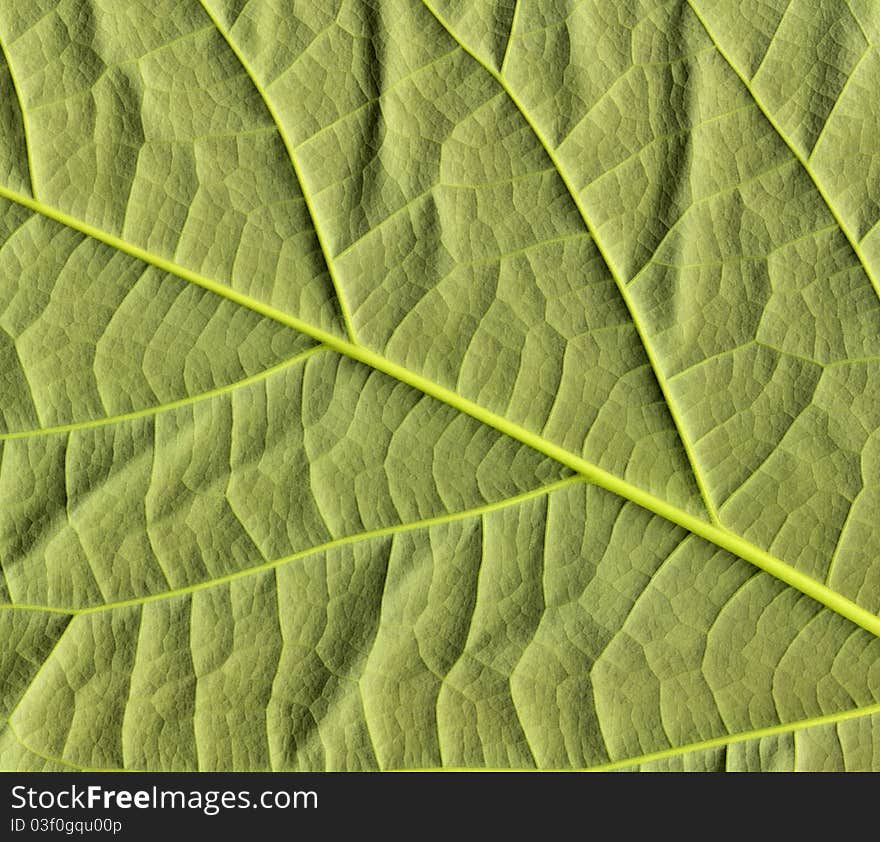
[
  {"x": 740, "y": 737},
  {"x": 146, "y": 412},
  {"x": 356, "y": 538},
  {"x": 618, "y": 279},
  {"x": 717, "y": 535},
  {"x": 24, "y": 127},
  {"x": 804, "y": 161},
  {"x": 297, "y": 169}
]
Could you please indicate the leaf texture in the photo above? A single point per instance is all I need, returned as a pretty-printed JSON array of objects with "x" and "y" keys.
[{"x": 430, "y": 383}]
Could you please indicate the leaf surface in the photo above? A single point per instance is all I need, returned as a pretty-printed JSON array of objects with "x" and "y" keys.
[{"x": 414, "y": 384}]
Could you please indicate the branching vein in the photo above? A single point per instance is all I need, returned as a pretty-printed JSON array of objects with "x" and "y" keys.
[
  {"x": 615, "y": 273},
  {"x": 721, "y": 537},
  {"x": 285, "y": 139}
]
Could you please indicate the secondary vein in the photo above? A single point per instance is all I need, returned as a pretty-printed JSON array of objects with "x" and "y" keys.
[
  {"x": 740, "y": 737},
  {"x": 615, "y": 274},
  {"x": 162, "y": 407},
  {"x": 24, "y": 127},
  {"x": 297, "y": 169},
  {"x": 804, "y": 162},
  {"x": 336, "y": 543}
]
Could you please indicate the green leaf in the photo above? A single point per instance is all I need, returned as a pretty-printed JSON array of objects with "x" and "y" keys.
[{"x": 413, "y": 384}]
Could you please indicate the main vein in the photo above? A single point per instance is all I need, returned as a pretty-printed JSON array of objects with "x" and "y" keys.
[
  {"x": 615, "y": 273},
  {"x": 711, "y": 532}
]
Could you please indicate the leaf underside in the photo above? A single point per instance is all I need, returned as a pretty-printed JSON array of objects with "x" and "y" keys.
[{"x": 439, "y": 383}]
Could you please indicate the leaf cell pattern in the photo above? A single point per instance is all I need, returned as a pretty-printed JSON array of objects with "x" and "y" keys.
[{"x": 429, "y": 383}]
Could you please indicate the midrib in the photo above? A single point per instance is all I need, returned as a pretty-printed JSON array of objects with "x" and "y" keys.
[{"x": 717, "y": 535}]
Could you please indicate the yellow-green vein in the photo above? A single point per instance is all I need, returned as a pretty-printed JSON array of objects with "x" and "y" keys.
[
  {"x": 336, "y": 543},
  {"x": 741, "y": 737},
  {"x": 163, "y": 407},
  {"x": 690, "y": 748},
  {"x": 615, "y": 273},
  {"x": 294, "y": 161},
  {"x": 24, "y": 126},
  {"x": 804, "y": 162}
]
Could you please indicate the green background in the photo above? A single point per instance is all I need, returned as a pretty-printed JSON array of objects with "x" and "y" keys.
[{"x": 399, "y": 384}]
